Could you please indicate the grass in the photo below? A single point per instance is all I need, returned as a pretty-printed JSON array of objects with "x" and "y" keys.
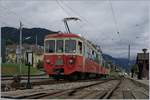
[
  {"x": 114, "y": 73},
  {"x": 12, "y": 69}
]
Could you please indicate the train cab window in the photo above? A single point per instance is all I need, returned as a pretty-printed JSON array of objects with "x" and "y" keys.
[
  {"x": 70, "y": 46},
  {"x": 46, "y": 47},
  {"x": 80, "y": 47},
  {"x": 50, "y": 46},
  {"x": 59, "y": 46}
]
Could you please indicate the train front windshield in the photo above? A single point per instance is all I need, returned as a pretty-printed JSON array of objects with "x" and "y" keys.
[
  {"x": 60, "y": 46},
  {"x": 50, "y": 46},
  {"x": 70, "y": 46}
]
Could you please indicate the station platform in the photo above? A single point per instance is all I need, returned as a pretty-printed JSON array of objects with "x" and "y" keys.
[{"x": 143, "y": 82}]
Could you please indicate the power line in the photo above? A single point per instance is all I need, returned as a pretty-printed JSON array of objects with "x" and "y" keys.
[
  {"x": 88, "y": 23},
  {"x": 115, "y": 20},
  {"x": 114, "y": 17},
  {"x": 3, "y": 23},
  {"x": 59, "y": 4},
  {"x": 74, "y": 11},
  {"x": 14, "y": 13},
  {"x": 10, "y": 11}
]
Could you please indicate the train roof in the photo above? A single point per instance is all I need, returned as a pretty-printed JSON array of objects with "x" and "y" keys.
[
  {"x": 70, "y": 35},
  {"x": 62, "y": 35}
]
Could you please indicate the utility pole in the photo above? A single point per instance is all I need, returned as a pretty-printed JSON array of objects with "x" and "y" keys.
[
  {"x": 129, "y": 55},
  {"x": 36, "y": 50},
  {"x": 66, "y": 24},
  {"x": 20, "y": 45},
  {"x": 1, "y": 45},
  {"x": 36, "y": 40}
]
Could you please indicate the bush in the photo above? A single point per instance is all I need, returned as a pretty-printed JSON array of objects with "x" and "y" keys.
[{"x": 40, "y": 64}]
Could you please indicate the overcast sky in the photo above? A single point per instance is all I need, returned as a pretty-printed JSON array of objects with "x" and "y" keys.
[{"x": 111, "y": 24}]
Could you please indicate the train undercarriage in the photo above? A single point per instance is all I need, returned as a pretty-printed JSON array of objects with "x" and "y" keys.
[{"x": 78, "y": 76}]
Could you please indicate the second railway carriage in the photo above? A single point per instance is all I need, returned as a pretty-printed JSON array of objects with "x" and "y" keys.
[{"x": 71, "y": 56}]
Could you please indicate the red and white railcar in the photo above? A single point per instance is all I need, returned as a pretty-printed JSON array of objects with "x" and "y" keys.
[{"x": 69, "y": 55}]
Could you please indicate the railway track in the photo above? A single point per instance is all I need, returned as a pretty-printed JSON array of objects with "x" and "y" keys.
[
  {"x": 40, "y": 81},
  {"x": 105, "y": 89},
  {"x": 134, "y": 95},
  {"x": 72, "y": 93},
  {"x": 26, "y": 77},
  {"x": 130, "y": 89}
]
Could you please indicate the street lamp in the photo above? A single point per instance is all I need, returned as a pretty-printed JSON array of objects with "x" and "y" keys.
[
  {"x": 29, "y": 62},
  {"x": 36, "y": 45}
]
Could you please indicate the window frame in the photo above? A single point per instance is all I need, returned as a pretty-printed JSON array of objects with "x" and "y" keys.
[
  {"x": 75, "y": 45},
  {"x": 78, "y": 51},
  {"x": 63, "y": 45},
  {"x": 54, "y": 45},
  {"x": 72, "y": 38}
]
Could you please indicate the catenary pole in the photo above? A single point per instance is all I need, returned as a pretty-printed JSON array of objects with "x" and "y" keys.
[
  {"x": 0, "y": 45},
  {"x": 20, "y": 46},
  {"x": 129, "y": 55}
]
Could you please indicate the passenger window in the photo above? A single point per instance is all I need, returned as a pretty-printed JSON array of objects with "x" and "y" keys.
[{"x": 80, "y": 47}]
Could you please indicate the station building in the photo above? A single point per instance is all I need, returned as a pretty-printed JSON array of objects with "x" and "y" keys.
[{"x": 142, "y": 61}]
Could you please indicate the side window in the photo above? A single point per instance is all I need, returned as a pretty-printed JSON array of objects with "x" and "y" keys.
[
  {"x": 86, "y": 51},
  {"x": 93, "y": 55},
  {"x": 103, "y": 63},
  {"x": 80, "y": 47},
  {"x": 97, "y": 58}
]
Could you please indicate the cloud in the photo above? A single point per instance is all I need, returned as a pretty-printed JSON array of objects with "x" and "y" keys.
[{"x": 97, "y": 22}]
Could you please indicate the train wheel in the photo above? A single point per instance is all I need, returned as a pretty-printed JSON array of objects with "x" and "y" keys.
[
  {"x": 70, "y": 78},
  {"x": 87, "y": 76},
  {"x": 79, "y": 76},
  {"x": 105, "y": 75},
  {"x": 96, "y": 75},
  {"x": 82, "y": 76},
  {"x": 50, "y": 76},
  {"x": 65, "y": 77},
  {"x": 56, "y": 78}
]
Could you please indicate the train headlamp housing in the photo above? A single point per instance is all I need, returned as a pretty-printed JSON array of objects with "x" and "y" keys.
[
  {"x": 48, "y": 61},
  {"x": 71, "y": 61}
]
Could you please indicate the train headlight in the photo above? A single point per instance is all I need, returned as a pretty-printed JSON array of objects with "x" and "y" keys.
[
  {"x": 71, "y": 61},
  {"x": 48, "y": 61},
  {"x": 74, "y": 56}
]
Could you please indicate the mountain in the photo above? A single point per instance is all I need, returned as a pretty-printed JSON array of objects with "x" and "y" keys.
[
  {"x": 11, "y": 35},
  {"x": 122, "y": 62}
]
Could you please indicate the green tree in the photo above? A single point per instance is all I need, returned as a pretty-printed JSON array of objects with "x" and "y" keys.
[
  {"x": 9, "y": 42},
  {"x": 135, "y": 68}
]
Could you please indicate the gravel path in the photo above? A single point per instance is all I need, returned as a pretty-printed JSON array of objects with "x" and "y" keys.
[
  {"x": 46, "y": 88},
  {"x": 129, "y": 90}
]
